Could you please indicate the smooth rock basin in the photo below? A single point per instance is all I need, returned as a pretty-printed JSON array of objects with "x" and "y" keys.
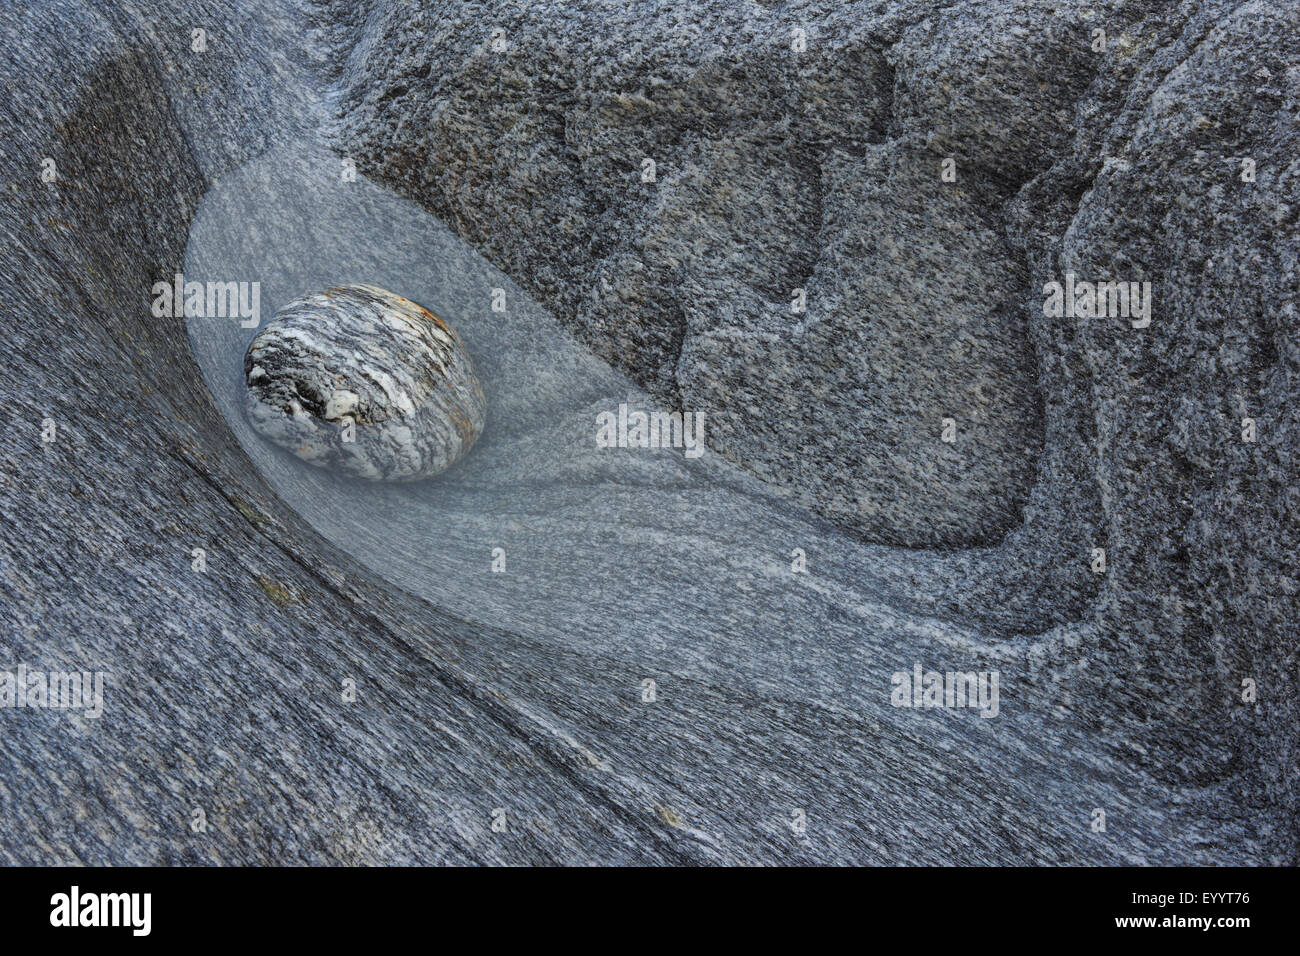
[{"x": 362, "y": 381}]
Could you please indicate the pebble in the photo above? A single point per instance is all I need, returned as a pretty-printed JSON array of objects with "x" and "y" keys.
[{"x": 362, "y": 381}]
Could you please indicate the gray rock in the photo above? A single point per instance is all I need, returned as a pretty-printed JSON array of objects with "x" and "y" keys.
[
  {"x": 1122, "y": 691},
  {"x": 363, "y": 381},
  {"x": 1083, "y": 156},
  {"x": 901, "y": 404}
]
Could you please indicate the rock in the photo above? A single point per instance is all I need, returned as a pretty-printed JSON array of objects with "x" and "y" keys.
[
  {"x": 223, "y": 684},
  {"x": 910, "y": 322},
  {"x": 365, "y": 382},
  {"x": 1074, "y": 149},
  {"x": 910, "y": 327}
]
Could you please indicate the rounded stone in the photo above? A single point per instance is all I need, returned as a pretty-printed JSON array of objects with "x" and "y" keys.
[{"x": 364, "y": 382}]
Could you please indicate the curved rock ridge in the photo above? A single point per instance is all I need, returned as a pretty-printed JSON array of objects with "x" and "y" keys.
[{"x": 365, "y": 382}]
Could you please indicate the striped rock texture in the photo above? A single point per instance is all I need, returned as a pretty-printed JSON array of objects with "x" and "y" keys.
[{"x": 365, "y": 382}]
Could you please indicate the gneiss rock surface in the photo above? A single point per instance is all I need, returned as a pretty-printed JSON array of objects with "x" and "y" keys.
[
  {"x": 1121, "y": 159},
  {"x": 901, "y": 402},
  {"x": 363, "y": 381},
  {"x": 223, "y": 686}
]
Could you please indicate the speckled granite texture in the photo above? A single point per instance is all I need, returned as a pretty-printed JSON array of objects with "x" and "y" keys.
[{"x": 798, "y": 146}]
